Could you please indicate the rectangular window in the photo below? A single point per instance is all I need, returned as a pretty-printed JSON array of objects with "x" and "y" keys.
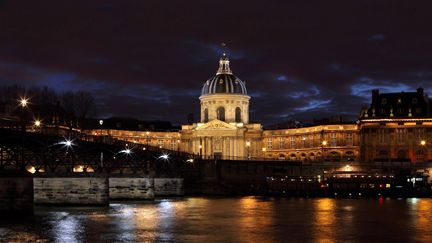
[
  {"x": 382, "y": 136},
  {"x": 303, "y": 142},
  {"x": 349, "y": 139},
  {"x": 281, "y": 143},
  {"x": 400, "y": 134},
  {"x": 292, "y": 142},
  {"x": 173, "y": 144},
  {"x": 333, "y": 139},
  {"x": 270, "y": 144},
  {"x": 160, "y": 142}
]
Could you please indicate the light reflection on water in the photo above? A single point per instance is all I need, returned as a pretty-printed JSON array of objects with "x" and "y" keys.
[{"x": 246, "y": 219}]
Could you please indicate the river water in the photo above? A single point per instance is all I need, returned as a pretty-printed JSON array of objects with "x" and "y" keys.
[{"x": 243, "y": 219}]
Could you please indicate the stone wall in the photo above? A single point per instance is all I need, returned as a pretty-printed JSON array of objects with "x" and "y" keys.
[
  {"x": 16, "y": 195},
  {"x": 168, "y": 186},
  {"x": 78, "y": 190},
  {"x": 131, "y": 188}
]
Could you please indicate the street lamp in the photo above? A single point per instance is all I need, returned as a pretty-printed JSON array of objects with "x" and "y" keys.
[
  {"x": 101, "y": 123},
  {"x": 23, "y": 102},
  {"x": 126, "y": 151},
  {"x": 37, "y": 123},
  {"x": 67, "y": 143},
  {"x": 164, "y": 157},
  {"x": 324, "y": 143},
  {"x": 423, "y": 144}
]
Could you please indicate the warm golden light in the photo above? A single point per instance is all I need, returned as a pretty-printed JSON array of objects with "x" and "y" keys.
[
  {"x": 264, "y": 149},
  {"x": 31, "y": 169},
  {"x": 200, "y": 146},
  {"x": 37, "y": 123},
  {"x": 347, "y": 168},
  {"x": 324, "y": 143},
  {"x": 422, "y": 142},
  {"x": 78, "y": 169},
  {"x": 23, "y": 102},
  {"x": 248, "y": 144}
]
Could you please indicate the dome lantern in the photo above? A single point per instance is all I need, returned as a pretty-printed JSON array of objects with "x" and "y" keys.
[{"x": 224, "y": 81}]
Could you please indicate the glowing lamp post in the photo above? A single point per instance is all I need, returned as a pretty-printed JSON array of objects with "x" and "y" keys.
[
  {"x": 23, "y": 102},
  {"x": 323, "y": 144},
  {"x": 423, "y": 144},
  {"x": 37, "y": 124}
]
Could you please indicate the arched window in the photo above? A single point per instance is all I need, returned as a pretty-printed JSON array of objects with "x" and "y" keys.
[
  {"x": 238, "y": 115},
  {"x": 206, "y": 118},
  {"x": 221, "y": 113}
]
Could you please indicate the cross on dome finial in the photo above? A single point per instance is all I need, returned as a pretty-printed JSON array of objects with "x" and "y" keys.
[
  {"x": 224, "y": 62},
  {"x": 223, "y": 45}
]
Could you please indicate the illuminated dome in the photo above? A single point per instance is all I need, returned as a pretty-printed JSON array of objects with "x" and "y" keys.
[{"x": 224, "y": 81}]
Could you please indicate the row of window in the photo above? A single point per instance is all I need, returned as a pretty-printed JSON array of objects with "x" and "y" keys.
[
  {"x": 399, "y": 101},
  {"x": 400, "y": 110},
  {"x": 401, "y": 135},
  {"x": 304, "y": 142}
]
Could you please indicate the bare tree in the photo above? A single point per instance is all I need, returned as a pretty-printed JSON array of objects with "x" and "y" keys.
[{"x": 84, "y": 104}]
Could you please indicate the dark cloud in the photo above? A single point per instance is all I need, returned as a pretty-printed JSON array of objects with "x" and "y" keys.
[{"x": 300, "y": 59}]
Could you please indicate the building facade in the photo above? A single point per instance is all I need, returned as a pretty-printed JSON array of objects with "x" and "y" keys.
[
  {"x": 396, "y": 127},
  {"x": 224, "y": 130}
]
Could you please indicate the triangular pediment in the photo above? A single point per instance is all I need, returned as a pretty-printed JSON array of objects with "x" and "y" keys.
[{"x": 216, "y": 125}]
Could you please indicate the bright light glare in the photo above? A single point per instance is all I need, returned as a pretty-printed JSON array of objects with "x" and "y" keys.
[
  {"x": 37, "y": 123},
  {"x": 164, "y": 156},
  {"x": 23, "y": 102},
  {"x": 67, "y": 143},
  {"x": 126, "y": 151}
]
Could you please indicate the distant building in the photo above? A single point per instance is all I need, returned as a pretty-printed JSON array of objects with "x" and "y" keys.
[
  {"x": 224, "y": 130},
  {"x": 396, "y": 127}
]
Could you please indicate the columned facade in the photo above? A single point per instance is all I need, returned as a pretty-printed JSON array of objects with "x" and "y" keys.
[{"x": 224, "y": 130}]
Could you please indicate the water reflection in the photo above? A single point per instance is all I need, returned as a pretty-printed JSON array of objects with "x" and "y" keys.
[
  {"x": 422, "y": 218},
  {"x": 324, "y": 220},
  {"x": 247, "y": 219},
  {"x": 254, "y": 216},
  {"x": 66, "y": 227}
]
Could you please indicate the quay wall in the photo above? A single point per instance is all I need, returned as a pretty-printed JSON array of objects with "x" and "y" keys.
[
  {"x": 131, "y": 188},
  {"x": 71, "y": 190},
  {"x": 169, "y": 186}
]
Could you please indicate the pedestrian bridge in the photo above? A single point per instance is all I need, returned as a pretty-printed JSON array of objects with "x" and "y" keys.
[{"x": 44, "y": 154}]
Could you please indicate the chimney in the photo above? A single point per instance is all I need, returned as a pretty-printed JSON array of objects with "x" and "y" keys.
[
  {"x": 420, "y": 91},
  {"x": 375, "y": 95}
]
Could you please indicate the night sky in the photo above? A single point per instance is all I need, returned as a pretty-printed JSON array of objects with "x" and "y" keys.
[{"x": 148, "y": 59}]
